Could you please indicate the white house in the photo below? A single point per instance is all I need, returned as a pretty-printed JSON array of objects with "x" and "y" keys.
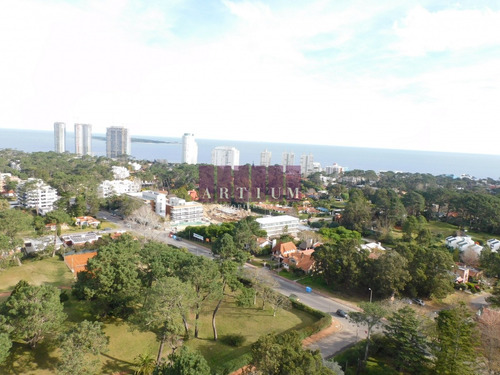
[
  {"x": 463, "y": 243},
  {"x": 493, "y": 244}
]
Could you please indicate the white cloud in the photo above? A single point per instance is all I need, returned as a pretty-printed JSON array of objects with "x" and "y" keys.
[
  {"x": 422, "y": 31},
  {"x": 120, "y": 62}
]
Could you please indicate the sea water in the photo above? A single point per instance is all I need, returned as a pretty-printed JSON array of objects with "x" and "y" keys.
[{"x": 436, "y": 163}]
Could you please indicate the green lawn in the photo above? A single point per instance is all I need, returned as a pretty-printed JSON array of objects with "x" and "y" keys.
[
  {"x": 250, "y": 322},
  {"x": 50, "y": 271},
  {"x": 126, "y": 344}
]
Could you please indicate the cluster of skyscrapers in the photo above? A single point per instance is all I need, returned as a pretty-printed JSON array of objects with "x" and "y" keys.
[
  {"x": 117, "y": 140},
  {"x": 83, "y": 138},
  {"x": 118, "y": 143}
]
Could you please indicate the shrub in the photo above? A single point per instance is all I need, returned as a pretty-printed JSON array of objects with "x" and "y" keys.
[
  {"x": 63, "y": 297},
  {"x": 235, "y": 340}
]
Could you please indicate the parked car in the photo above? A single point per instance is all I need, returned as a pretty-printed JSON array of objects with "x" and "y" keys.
[
  {"x": 293, "y": 297},
  {"x": 341, "y": 313},
  {"x": 418, "y": 301}
]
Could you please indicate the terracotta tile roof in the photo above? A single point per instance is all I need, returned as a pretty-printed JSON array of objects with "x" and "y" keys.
[
  {"x": 284, "y": 247},
  {"x": 300, "y": 260}
]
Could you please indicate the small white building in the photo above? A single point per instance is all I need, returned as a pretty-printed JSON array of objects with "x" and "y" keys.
[
  {"x": 463, "y": 243},
  {"x": 158, "y": 200},
  {"x": 34, "y": 193},
  {"x": 275, "y": 226},
  {"x": 120, "y": 173},
  {"x": 493, "y": 244},
  {"x": 182, "y": 212},
  {"x": 118, "y": 187}
]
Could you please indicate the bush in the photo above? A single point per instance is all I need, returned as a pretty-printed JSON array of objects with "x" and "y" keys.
[
  {"x": 235, "y": 340},
  {"x": 324, "y": 320},
  {"x": 63, "y": 297}
]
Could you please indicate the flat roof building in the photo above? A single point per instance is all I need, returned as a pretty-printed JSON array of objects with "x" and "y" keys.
[
  {"x": 182, "y": 212},
  {"x": 117, "y": 142},
  {"x": 59, "y": 137},
  {"x": 189, "y": 149},
  {"x": 83, "y": 139},
  {"x": 265, "y": 158},
  {"x": 225, "y": 156},
  {"x": 278, "y": 225}
]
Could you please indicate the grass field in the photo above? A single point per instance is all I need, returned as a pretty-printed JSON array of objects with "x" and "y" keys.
[
  {"x": 126, "y": 344},
  {"x": 51, "y": 271}
]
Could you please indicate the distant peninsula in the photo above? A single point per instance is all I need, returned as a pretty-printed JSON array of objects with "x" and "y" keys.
[{"x": 137, "y": 140}]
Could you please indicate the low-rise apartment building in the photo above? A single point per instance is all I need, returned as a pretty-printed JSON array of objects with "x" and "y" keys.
[
  {"x": 275, "y": 226},
  {"x": 109, "y": 188},
  {"x": 182, "y": 212},
  {"x": 34, "y": 193}
]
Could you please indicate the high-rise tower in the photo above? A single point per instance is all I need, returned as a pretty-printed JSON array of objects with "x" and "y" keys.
[
  {"x": 117, "y": 142},
  {"x": 189, "y": 149},
  {"x": 223, "y": 155},
  {"x": 287, "y": 158},
  {"x": 59, "y": 137},
  {"x": 83, "y": 139},
  {"x": 265, "y": 158}
]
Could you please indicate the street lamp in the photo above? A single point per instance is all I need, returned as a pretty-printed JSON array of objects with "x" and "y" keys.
[{"x": 371, "y": 294}]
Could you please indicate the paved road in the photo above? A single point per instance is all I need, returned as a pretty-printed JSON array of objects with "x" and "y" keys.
[{"x": 330, "y": 345}]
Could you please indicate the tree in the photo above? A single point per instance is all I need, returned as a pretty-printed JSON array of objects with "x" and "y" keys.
[
  {"x": 371, "y": 315},
  {"x": 284, "y": 355},
  {"x": 34, "y": 312},
  {"x": 414, "y": 203},
  {"x": 246, "y": 232},
  {"x": 456, "y": 341},
  {"x": 5, "y": 341},
  {"x": 111, "y": 277},
  {"x": 203, "y": 275},
  {"x": 408, "y": 344},
  {"x": 494, "y": 299},
  {"x": 13, "y": 222},
  {"x": 230, "y": 257},
  {"x": 146, "y": 364},
  {"x": 341, "y": 262},
  {"x": 78, "y": 344},
  {"x": 489, "y": 327},
  {"x": 146, "y": 219},
  {"x": 5, "y": 345},
  {"x": 390, "y": 273},
  {"x": 184, "y": 362},
  {"x": 357, "y": 213},
  {"x": 163, "y": 311}
]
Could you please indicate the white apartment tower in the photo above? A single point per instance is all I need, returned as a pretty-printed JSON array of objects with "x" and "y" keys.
[
  {"x": 59, "y": 137},
  {"x": 287, "y": 158},
  {"x": 265, "y": 158},
  {"x": 307, "y": 164},
  {"x": 223, "y": 155},
  {"x": 83, "y": 139},
  {"x": 189, "y": 149},
  {"x": 117, "y": 142}
]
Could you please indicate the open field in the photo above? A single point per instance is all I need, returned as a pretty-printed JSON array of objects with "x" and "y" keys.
[
  {"x": 126, "y": 344},
  {"x": 51, "y": 271}
]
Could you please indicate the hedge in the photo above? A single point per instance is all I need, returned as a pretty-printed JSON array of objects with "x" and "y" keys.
[{"x": 324, "y": 320}]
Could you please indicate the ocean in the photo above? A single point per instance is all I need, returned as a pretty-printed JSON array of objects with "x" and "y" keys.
[{"x": 435, "y": 163}]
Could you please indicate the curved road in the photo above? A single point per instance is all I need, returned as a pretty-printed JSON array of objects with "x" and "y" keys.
[{"x": 330, "y": 345}]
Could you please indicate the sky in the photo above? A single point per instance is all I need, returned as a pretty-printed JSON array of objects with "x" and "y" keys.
[{"x": 418, "y": 75}]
